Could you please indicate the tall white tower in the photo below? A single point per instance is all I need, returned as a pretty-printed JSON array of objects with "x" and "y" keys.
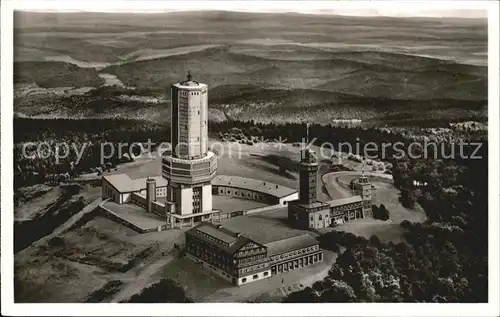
[{"x": 189, "y": 167}]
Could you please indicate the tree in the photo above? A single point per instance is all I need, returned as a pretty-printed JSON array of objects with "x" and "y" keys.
[
  {"x": 338, "y": 292},
  {"x": 307, "y": 295},
  {"x": 374, "y": 240},
  {"x": 164, "y": 291},
  {"x": 407, "y": 198},
  {"x": 380, "y": 212}
]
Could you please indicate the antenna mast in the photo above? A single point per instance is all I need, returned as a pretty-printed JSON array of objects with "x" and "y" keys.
[
  {"x": 363, "y": 168},
  {"x": 307, "y": 132}
]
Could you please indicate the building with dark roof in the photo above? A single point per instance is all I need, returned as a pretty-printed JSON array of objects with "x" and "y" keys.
[{"x": 240, "y": 260}]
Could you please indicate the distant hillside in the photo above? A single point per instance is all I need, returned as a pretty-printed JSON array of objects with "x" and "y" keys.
[
  {"x": 369, "y": 74},
  {"x": 428, "y": 84},
  {"x": 274, "y": 105},
  {"x": 86, "y": 106},
  {"x": 55, "y": 74},
  {"x": 264, "y": 67}
]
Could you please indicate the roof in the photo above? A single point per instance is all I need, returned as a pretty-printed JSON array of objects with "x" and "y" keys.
[
  {"x": 219, "y": 233},
  {"x": 264, "y": 227},
  {"x": 233, "y": 240},
  {"x": 190, "y": 85},
  {"x": 124, "y": 184},
  {"x": 293, "y": 243},
  {"x": 253, "y": 184},
  {"x": 315, "y": 204},
  {"x": 344, "y": 201}
]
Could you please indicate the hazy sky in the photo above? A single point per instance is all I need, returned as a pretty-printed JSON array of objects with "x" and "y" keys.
[{"x": 465, "y": 9}]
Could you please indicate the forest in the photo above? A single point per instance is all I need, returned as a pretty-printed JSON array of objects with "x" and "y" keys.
[
  {"x": 442, "y": 260},
  {"x": 90, "y": 134}
]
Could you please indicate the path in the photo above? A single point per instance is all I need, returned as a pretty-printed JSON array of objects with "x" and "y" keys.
[
  {"x": 140, "y": 277},
  {"x": 70, "y": 222}
]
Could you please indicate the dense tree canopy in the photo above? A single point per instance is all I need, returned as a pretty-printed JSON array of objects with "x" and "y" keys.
[{"x": 164, "y": 291}]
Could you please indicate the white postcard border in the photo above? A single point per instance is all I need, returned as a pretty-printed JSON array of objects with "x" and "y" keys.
[{"x": 9, "y": 308}]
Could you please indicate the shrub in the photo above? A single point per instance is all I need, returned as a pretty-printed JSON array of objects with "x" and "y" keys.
[{"x": 381, "y": 213}]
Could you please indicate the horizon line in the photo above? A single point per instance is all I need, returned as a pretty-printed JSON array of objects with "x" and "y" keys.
[{"x": 368, "y": 13}]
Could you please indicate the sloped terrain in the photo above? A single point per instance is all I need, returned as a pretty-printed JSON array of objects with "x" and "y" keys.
[{"x": 292, "y": 66}]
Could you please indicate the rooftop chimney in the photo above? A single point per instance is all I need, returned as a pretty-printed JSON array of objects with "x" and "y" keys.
[{"x": 150, "y": 193}]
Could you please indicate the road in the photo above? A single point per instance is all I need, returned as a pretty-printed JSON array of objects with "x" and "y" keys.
[
  {"x": 140, "y": 277},
  {"x": 336, "y": 191}
]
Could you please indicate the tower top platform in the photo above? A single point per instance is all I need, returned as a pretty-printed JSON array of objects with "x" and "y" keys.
[{"x": 190, "y": 84}]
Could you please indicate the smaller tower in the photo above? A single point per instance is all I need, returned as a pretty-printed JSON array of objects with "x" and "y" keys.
[
  {"x": 150, "y": 194},
  {"x": 364, "y": 188},
  {"x": 308, "y": 169},
  {"x": 307, "y": 212}
]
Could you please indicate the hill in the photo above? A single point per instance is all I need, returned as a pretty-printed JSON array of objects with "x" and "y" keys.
[
  {"x": 371, "y": 74},
  {"x": 55, "y": 74},
  {"x": 298, "y": 105},
  {"x": 258, "y": 66}
]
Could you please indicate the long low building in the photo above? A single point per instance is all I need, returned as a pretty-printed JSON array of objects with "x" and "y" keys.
[
  {"x": 241, "y": 260},
  {"x": 253, "y": 189},
  {"x": 346, "y": 209},
  {"x": 120, "y": 187}
]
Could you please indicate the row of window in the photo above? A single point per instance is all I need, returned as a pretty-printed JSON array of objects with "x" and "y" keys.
[
  {"x": 346, "y": 207},
  {"x": 295, "y": 253},
  {"x": 211, "y": 238},
  {"x": 177, "y": 172},
  {"x": 252, "y": 251},
  {"x": 161, "y": 190},
  {"x": 194, "y": 166},
  {"x": 210, "y": 259},
  {"x": 254, "y": 267},
  {"x": 297, "y": 263},
  {"x": 251, "y": 259},
  {"x": 320, "y": 217},
  {"x": 192, "y": 93},
  {"x": 256, "y": 276},
  {"x": 223, "y": 191}
]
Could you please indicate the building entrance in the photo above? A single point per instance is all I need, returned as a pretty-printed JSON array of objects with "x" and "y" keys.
[{"x": 273, "y": 270}]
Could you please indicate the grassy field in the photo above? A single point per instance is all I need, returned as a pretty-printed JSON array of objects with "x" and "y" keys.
[{"x": 90, "y": 256}]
